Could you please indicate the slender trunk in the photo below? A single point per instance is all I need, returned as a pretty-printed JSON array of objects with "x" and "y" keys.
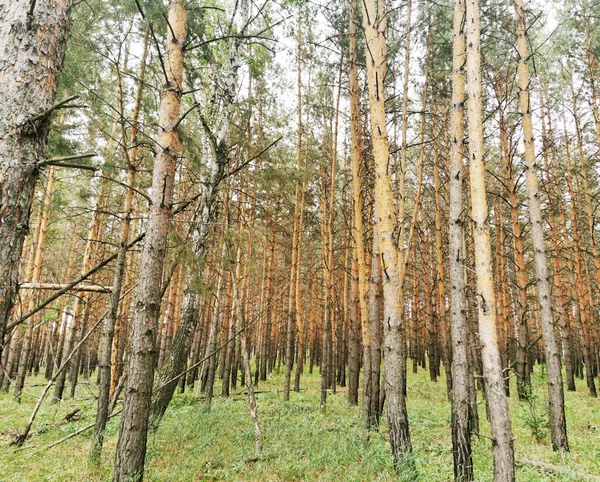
[
  {"x": 556, "y": 398},
  {"x": 258, "y": 437},
  {"x": 104, "y": 368},
  {"x": 461, "y": 402},
  {"x": 131, "y": 445},
  {"x": 440, "y": 271},
  {"x": 356, "y": 132},
  {"x": 290, "y": 332},
  {"x": 375, "y": 28},
  {"x": 504, "y": 469}
]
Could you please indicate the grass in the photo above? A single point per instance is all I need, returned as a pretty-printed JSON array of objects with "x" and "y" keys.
[{"x": 300, "y": 443}]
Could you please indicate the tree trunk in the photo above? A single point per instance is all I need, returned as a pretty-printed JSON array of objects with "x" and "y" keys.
[
  {"x": 375, "y": 28},
  {"x": 108, "y": 329},
  {"x": 504, "y": 469},
  {"x": 556, "y": 398},
  {"x": 461, "y": 427},
  {"x": 131, "y": 446},
  {"x": 34, "y": 38},
  {"x": 357, "y": 139}
]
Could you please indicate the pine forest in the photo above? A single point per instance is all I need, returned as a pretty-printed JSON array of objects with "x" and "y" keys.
[{"x": 285, "y": 240}]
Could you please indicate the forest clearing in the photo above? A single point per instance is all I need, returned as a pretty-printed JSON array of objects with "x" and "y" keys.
[{"x": 299, "y": 240}]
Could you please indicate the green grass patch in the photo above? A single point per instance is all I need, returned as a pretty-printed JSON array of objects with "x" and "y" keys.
[{"x": 300, "y": 443}]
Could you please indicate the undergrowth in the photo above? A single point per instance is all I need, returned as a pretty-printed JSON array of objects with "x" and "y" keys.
[{"x": 300, "y": 443}]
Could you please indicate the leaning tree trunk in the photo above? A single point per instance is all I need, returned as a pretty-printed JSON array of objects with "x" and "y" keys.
[
  {"x": 206, "y": 215},
  {"x": 375, "y": 28},
  {"x": 461, "y": 429},
  {"x": 33, "y": 39},
  {"x": 556, "y": 397},
  {"x": 504, "y": 468},
  {"x": 131, "y": 446}
]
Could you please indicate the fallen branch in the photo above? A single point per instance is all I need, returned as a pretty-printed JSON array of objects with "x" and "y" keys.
[
  {"x": 22, "y": 437},
  {"x": 557, "y": 469},
  {"x": 74, "y": 434},
  {"x": 70, "y": 286},
  {"x": 72, "y": 416},
  {"x": 60, "y": 286}
]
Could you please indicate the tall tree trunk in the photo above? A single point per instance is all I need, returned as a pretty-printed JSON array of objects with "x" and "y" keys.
[
  {"x": 461, "y": 404},
  {"x": 108, "y": 329},
  {"x": 34, "y": 37},
  {"x": 504, "y": 468},
  {"x": 131, "y": 447},
  {"x": 357, "y": 139},
  {"x": 556, "y": 397},
  {"x": 375, "y": 28},
  {"x": 292, "y": 306}
]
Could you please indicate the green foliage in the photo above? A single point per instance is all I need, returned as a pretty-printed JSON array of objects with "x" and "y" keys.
[{"x": 534, "y": 412}]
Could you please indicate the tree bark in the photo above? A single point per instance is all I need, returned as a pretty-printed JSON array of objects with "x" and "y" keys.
[
  {"x": 504, "y": 469},
  {"x": 375, "y": 28},
  {"x": 33, "y": 39},
  {"x": 461, "y": 427},
  {"x": 131, "y": 447},
  {"x": 556, "y": 398},
  {"x": 108, "y": 329}
]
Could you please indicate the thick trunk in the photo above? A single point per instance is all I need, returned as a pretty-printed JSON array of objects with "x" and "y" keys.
[{"x": 33, "y": 39}]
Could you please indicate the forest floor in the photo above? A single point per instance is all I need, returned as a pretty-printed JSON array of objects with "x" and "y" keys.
[{"x": 300, "y": 443}]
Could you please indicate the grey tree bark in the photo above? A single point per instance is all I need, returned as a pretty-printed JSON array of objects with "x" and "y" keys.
[
  {"x": 461, "y": 428},
  {"x": 131, "y": 446},
  {"x": 33, "y": 40}
]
